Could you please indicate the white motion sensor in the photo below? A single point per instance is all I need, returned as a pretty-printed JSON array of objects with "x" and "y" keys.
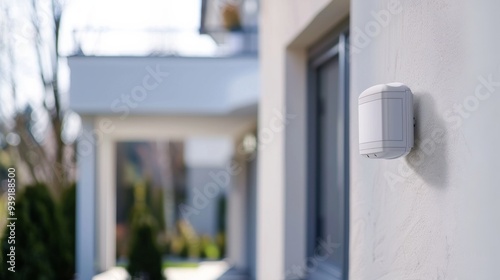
[{"x": 386, "y": 121}]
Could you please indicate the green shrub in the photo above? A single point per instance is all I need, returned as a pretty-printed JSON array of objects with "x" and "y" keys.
[
  {"x": 204, "y": 241},
  {"x": 209, "y": 250},
  {"x": 41, "y": 243},
  {"x": 212, "y": 252},
  {"x": 191, "y": 239},
  {"x": 178, "y": 246},
  {"x": 220, "y": 240},
  {"x": 68, "y": 211},
  {"x": 221, "y": 213},
  {"x": 145, "y": 260}
]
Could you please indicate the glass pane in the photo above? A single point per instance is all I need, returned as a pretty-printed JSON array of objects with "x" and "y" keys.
[
  {"x": 330, "y": 162},
  {"x": 166, "y": 184},
  {"x": 149, "y": 175}
]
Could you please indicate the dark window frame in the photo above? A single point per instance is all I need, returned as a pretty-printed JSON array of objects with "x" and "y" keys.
[{"x": 334, "y": 46}]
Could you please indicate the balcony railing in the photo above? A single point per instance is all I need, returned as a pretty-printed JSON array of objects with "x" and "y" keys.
[{"x": 165, "y": 42}]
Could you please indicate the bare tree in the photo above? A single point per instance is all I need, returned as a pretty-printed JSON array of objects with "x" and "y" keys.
[{"x": 35, "y": 133}]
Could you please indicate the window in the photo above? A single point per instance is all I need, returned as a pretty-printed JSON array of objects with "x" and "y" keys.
[{"x": 328, "y": 155}]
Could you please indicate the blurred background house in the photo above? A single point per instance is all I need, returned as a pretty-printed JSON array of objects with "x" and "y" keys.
[
  {"x": 168, "y": 123},
  {"x": 156, "y": 105}
]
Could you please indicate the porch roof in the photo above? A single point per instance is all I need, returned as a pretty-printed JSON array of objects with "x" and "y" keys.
[{"x": 169, "y": 85}]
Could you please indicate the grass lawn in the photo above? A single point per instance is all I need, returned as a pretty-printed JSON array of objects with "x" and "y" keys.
[{"x": 168, "y": 264}]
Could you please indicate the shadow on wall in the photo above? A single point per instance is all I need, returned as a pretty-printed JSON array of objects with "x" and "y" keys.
[{"x": 428, "y": 158}]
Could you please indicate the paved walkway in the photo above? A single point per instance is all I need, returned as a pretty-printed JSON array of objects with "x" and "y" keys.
[
  {"x": 211, "y": 270},
  {"x": 205, "y": 271}
]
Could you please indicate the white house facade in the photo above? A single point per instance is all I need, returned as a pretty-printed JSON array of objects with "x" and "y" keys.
[
  {"x": 154, "y": 99},
  {"x": 325, "y": 212}
]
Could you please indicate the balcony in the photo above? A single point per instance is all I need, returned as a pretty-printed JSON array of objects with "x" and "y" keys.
[{"x": 164, "y": 85}]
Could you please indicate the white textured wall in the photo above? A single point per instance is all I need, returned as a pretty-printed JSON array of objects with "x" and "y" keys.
[
  {"x": 287, "y": 28},
  {"x": 436, "y": 213}
]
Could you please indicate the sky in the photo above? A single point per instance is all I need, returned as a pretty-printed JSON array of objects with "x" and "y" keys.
[{"x": 126, "y": 21}]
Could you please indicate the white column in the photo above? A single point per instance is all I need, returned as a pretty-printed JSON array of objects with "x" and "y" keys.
[
  {"x": 270, "y": 202},
  {"x": 295, "y": 164},
  {"x": 236, "y": 219},
  {"x": 85, "y": 215},
  {"x": 106, "y": 202}
]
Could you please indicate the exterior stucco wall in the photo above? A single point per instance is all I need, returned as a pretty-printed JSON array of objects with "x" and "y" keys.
[
  {"x": 435, "y": 213},
  {"x": 287, "y": 29},
  {"x": 431, "y": 215}
]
